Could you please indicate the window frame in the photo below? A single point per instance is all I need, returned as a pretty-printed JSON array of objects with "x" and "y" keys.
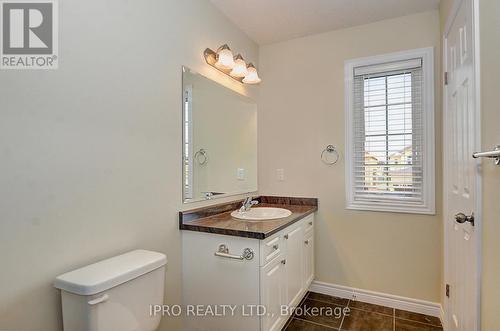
[
  {"x": 187, "y": 160},
  {"x": 428, "y": 194}
]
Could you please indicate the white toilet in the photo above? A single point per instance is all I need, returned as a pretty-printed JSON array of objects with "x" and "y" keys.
[{"x": 114, "y": 294}]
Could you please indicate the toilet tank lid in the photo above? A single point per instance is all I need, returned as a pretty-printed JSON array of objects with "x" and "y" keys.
[{"x": 103, "y": 275}]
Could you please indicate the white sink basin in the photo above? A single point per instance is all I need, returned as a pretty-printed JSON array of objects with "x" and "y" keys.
[{"x": 261, "y": 213}]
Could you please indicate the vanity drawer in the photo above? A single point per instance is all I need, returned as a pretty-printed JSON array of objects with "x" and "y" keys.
[
  {"x": 309, "y": 223},
  {"x": 271, "y": 248}
]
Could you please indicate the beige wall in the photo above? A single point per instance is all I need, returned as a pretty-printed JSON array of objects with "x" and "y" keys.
[
  {"x": 90, "y": 153},
  {"x": 489, "y": 20},
  {"x": 301, "y": 110}
]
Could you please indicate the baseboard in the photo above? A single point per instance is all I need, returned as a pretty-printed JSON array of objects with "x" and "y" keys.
[{"x": 377, "y": 298}]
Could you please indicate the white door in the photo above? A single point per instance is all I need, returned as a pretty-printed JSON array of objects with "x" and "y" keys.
[
  {"x": 273, "y": 294},
  {"x": 294, "y": 263},
  {"x": 461, "y": 187}
]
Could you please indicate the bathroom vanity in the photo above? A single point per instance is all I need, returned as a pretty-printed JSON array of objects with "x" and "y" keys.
[
  {"x": 240, "y": 271},
  {"x": 256, "y": 268}
]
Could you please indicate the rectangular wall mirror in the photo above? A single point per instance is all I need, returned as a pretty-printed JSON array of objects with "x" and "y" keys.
[{"x": 219, "y": 140}]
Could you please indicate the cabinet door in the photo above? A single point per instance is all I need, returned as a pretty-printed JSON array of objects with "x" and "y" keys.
[
  {"x": 308, "y": 259},
  {"x": 294, "y": 240},
  {"x": 273, "y": 294}
]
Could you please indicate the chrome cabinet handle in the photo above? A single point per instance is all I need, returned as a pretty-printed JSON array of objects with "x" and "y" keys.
[
  {"x": 462, "y": 218},
  {"x": 223, "y": 251}
]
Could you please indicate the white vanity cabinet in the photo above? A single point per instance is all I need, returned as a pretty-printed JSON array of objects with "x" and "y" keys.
[{"x": 278, "y": 275}]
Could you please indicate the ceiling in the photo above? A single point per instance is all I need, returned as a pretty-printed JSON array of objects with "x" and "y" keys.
[{"x": 270, "y": 21}]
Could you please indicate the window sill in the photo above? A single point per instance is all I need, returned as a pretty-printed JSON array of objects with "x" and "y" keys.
[{"x": 391, "y": 208}]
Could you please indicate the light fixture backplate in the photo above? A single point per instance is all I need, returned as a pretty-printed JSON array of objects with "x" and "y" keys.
[{"x": 211, "y": 59}]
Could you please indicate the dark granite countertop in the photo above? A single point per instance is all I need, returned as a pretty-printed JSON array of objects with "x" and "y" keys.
[{"x": 217, "y": 219}]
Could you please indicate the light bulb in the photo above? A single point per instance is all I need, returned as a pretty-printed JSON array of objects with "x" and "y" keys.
[
  {"x": 240, "y": 67},
  {"x": 252, "y": 77},
  {"x": 224, "y": 58}
]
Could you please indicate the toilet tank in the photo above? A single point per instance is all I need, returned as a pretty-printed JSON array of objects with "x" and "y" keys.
[{"x": 114, "y": 294}]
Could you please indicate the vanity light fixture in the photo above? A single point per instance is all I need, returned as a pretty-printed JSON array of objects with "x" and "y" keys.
[{"x": 233, "y": 66}]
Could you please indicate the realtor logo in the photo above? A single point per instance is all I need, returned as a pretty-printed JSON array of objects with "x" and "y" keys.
[{"x": 29, "y": 34}]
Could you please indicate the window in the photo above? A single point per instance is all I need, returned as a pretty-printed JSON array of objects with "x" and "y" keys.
[
  {"x": 187, "y": 150},
  {"x": 390, "y": 132}
]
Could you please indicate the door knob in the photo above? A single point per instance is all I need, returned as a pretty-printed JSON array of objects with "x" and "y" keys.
[{"x": 462, "y": 218}]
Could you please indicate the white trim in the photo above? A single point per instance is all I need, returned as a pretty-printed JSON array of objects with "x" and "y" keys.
[
  {"x": 479, "y": 186},
  {"x": 429, "y": 205},
  {"x": 478, "y": 209},
  {"x": 378, "y": 298},
  {"x": 388, "y": 66},
  {"x": 442, "y": 317}
]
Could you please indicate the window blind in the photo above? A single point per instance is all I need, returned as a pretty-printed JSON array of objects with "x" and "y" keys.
[
  {"x": 188, "y": 143},
  {"x": 388, "y": 155}
]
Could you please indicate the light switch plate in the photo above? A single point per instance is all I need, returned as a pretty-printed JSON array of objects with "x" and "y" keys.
[
  {"x": 240, "y": 174},
  {"x": 280, "y": 174}
]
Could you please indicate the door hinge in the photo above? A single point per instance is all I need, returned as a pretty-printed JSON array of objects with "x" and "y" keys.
[
  {"x": 447, "y": 290},
  {"x": 446, "y": 78}
]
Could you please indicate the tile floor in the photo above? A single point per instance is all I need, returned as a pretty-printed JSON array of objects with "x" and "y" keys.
[{"x": 319, "y": 312}]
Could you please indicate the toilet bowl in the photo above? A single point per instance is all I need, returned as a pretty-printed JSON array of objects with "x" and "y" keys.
[{"x": 114, "y": 294}]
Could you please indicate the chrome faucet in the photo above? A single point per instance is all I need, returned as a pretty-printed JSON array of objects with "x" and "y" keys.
[{"x": 247, "y": 204}]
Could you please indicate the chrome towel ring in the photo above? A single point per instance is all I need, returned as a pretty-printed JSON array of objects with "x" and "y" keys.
[
  {"x": 201, "y": 156},
  {"x": 330, "y": 149}
]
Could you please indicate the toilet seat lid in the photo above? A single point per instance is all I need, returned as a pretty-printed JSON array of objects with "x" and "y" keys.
[{"x": 106, "y": 274}]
